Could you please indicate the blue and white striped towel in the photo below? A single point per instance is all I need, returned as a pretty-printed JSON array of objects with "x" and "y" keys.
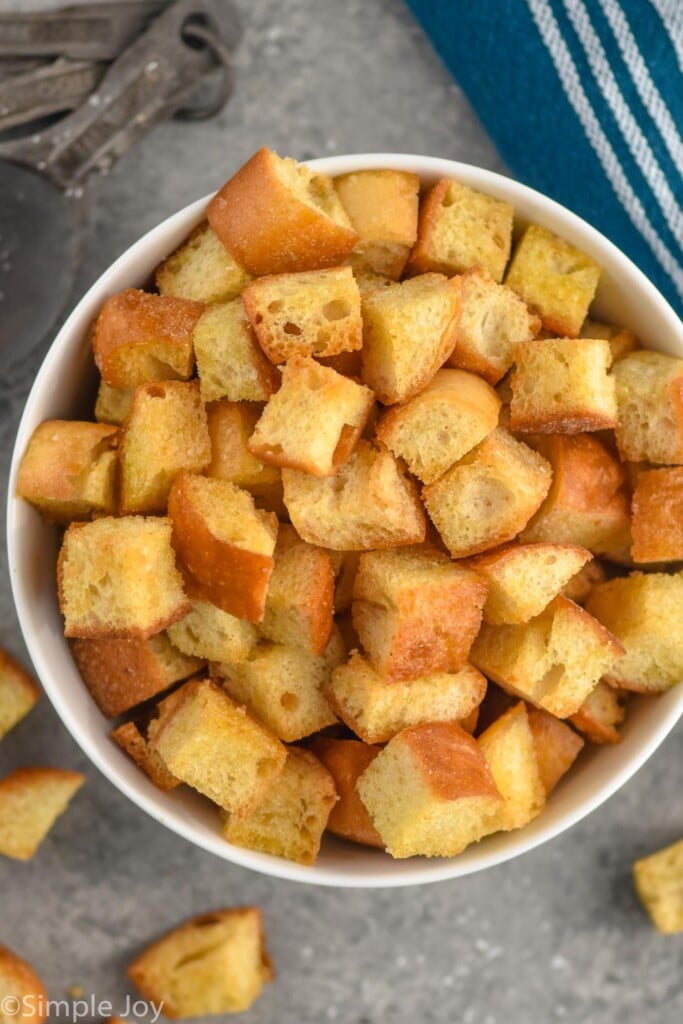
[{"x": 584, "y": 100}]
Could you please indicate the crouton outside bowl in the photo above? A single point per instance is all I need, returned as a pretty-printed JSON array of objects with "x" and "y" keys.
[{"x": 65, "y": 388}]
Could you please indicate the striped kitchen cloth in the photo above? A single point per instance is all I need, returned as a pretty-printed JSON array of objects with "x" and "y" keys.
[{"x": 584, "y": 100}]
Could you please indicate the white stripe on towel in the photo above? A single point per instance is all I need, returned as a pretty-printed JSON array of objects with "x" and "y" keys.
[{"x": 671, "y": 14}]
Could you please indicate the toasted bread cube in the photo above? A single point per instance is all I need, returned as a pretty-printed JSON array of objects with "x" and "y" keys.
[
  {"x": 489, "y": 496},
  {"x": 600, "y": 714},
  {"x": 659, "y": 883},
  {"x": 68, "y": 469},
  {"x": 209, "y": 632},
  {"x": 492, "y": 321},
  {"x": 524, "y": 578},
  {"x": 408, "y": 333},
  {"x": 225, "y": 544},
  {"x": 650, "y": 402},
  {"x": 19, "y": 692},
  {"x": 460, "y": 228},
  {"x": 201, "y": 269},
  {"x": 291, "y": 819},
  {"x": 621, "y": 339},
  {"x": 440, "y": 424},
  {"x": 31, "y": 800},
  {"x": 300, "y": 599},
  {"x": 276, "y": 216},
  {"x": 369, "y": 503},
  {"x": 231, "y": 424},
  {"x": 117, "y": 579},
  {"x": 644, "y": 611},
  {"x": 140, "y": 337},
  {"x": 21, "y": 987},
  {"x": 557, "y": 746},
  {"x": 166, "y": 431},
  {"x": 657, "y": 516},
  {"x": 382, "y": 207},
  {"x": 214, "y": 963},
  {"x": 130, "y": 739},
  {"x": 579, "y": 587},
  {"x": 230, "y": 363},
  {"x": 553, "y": 661},
  {"x": 377, "y": 708},
  {"x": 113, "y": 404},
  {"x": 284, "y": 685},
  {"x": 555, "y": 278},
  {"x": 430, "y": 792},
  {"x": 587, "y": 503},
  {"x": 561, "y": 386},
  {"x": 346, "y": 760},
  {"x": 509, "y": 748},
  {"x": 415, "y": 611},
  {"x": 120, "y": 674},
  {"x": 314, "y": 421}
]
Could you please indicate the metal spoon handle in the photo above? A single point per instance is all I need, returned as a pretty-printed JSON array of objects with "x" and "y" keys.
[{"x": 61, "y": 85}]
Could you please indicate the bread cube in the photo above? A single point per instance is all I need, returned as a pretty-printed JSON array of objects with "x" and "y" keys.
[
  {"x": 314, "y": 421},
  {"x": 68, "y": 469},
  {"x": 553, "y": 661},
  {"x": 657, "y": 516},
  {"x": 440, "y": 424},
  {"x": 460, "y": 228},
  {"x": 113, "y": 404},
  {"x": 489, "y": 496},
  {"x": 276, "y": 216},
  {"x": 524, "y": 578},
  {"x": 224, "y": 543},
  {"x": 555, "y": 278},
  {"x": 120, "y": 674},
  {"x": 130, "y": 739},
  {"x": 31, "y": 800},
  {"x": 18, "y": 692},
  {"x": 621, "y": 339},
  {"x": 587, "y": 503},
  {"x": 382, "y": 207},
  {"x": 509, "y": 748},
  {"x": 492, "y": 321},
  {"x": 650, "y": 402},
  {"x": 446, "y": 798},
  {"x": 644, "y": 611},
  {"x": 300, "y": 599},
  {"x": 140, "y": 337},
  {"x": 230, "y": 363},
  {"x": 209, "y": 632},
  {"x": 201, "y": 269},
  {"x": 415, "y": 611},
  {"x": 557, "y": 746},
  {"x": 20, "y": 986},
  {"x": 283, "y": 686},
  {"x": 408, "y": 333},
  {"x": 291, "y": 819},
  {"x": 214, "y": 963},
  {"x": 377, "y": 708},
  {"x": 346, "y": 760},
  {"x": 561, "y": 386},
  {"x": 600, "y": 714},
  {"x": 117, "y": 579},
  {"x": 369, "y": 503},
  {"x": 231, "y": 424},
  {"x": 165, "y": 432},
  {"x": 579, "y": 587},
  {"x": 659, "y": 883}
]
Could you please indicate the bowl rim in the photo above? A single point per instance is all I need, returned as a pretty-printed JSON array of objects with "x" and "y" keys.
[{"x": 400, "y": 873}]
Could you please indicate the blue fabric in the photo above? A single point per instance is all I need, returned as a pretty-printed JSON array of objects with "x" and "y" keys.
[{"x": 584, "y": 101}]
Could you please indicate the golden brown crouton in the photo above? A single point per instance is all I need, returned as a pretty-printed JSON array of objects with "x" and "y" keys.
[
  {"x": 231, "y": 424},
  {"x": 659, "y": 883},
  {"x": 300, "y": 599},
  {"x": 600, "y": 714},
  {"x": 201, "y": 269},
  {"x": 509, "y": 748},
  {"x": 579, "y": 587},
  {"x": 18, "y": 692},
  {"x": 382, "y": 207},
  {"x": 650, "y": 403},
  {"x": 31, "y": 800},
  {"x": 113, "y": 404},
  {"x": 130, "y": 739},
  {"x": 557, "y": 746},
  {"x": 346, "y": 760},
  {"x": 657, "y": 516},
  {"x": 20, "y": 987},
  {"x": 621, "y": 339},
  {"x": 230, "y": 363},
  {"x": 209, "y": 632}
]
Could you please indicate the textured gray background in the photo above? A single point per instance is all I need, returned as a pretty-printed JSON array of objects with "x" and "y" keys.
[{"x": 555, "y": 935}]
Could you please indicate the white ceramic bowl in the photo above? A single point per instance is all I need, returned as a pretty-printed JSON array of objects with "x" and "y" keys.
[{"x": 64, "y": 388}]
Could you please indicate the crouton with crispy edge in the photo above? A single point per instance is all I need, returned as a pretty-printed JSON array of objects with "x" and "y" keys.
[
  {"x": 621, "y": 339},
  {"x": 113, "y": 404},
  {"x": 579, "y": 587},
  {"x": 129, "y": 737},
  {"x": 21, "y": 986},
  {"x": 509, "y": 748},
  {"x": 600, "y": 714},
  {"x": 649, "y": 389},
  {"x": 31, "y": 800},
  {"x": 201, "y": 269},
  {"x": 346, "y": 760},
  {"x": 230, "y": 363},
  {"x": 19, "y": 692},
  {"x": 657, "y": 516},
  {"x": 557, "y": 746},
  {"x": 209, "y": 632},
  {"x": 382, "y": 207},
  {"x": 659, "y": 883},
  {"x": 300, "y": 599}
]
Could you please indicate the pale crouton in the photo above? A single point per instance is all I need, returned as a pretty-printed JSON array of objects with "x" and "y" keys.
[
  {"x": 140, "y": 337},
  {"x": 460, "y": 228},
  {"x": 369, "y": 503},
  {"x": 201, "y": 269},
  {"x": 509, "y": 748},
  {"x": 117, "y": 578},
  {"x": 440, "y": 424},
  {"x": 230, "y": 363},
  {"x": 621, "y": 339},
  {"x": 113, "y": 404},
  {"x": 557, "y": 746},
  {"x": 31, "y": 800},
  {"x": 314, "y": 421},
  {"x": 209, "y": 632},
  {"x": 650, "y": 402},
  {"x": 300, "y": 599},
  {"x": 68, "y": 469},
  {"x": 415, "y": 611},
  {"x": 579, "y": 587},
  {"x": 130, "y": 739},
  {"x": 554, "y": 278},
  {"x": 231, "y": 424},
  {"x": 408, "y": 333},
  {"x": 382, "y": 207},
  {"x": 19, "y": 692},
  {"x": 22, "y": 990},
  {"x": 346, "y": 760},
  {"x": 277, "y": 216},
  {"x": 659, "y": 883},
  {"x": 216, "y": 963},
  {"x": 489, "y": 496},
  {"x": 657, "y": 516},
  {"x": 165, "y": 432},
  {"x": 600, "y": 714},
  {"x": 290, "y": 820}
]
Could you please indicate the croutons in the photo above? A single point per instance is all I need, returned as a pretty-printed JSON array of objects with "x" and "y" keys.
[
  {"x": 650, "y": 402},
  {"x": 231, "y": 424},
  {"x": 600, "y": 714},
  {"x": 621, "y": 339},
  {"x": 31, "y": 800},
  {"x": 230, "y": 363},
  {"x": 20, "y": 987},
  {"x": 657, "y": 516},
  {"x": 209, "y": 632},
  {"x": 19, "y": 692},
  {"x": 557, "y": 746},
  {"x": 300, "y": 599},
  {"x": 113, "y": 404},
  {"x": 201, "y": 269},
  {"x": 489, "y": 496},
  {"x": 509, "y": 748},
  {"x": 659, "y": 882},
  {"x": 440, "y": 424},
  {"x": 130, "y": 739},
  {"x": 346, "y": 760},
  {"x": 460, "y": 228},
  {"x": 554, "y": 278},
  {"x": 383, "y": 208},
  {"x": 408, "y": 333},
  {"x": 276, "y": 216}
]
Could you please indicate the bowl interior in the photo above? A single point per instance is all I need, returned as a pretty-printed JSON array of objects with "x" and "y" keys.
[{"x": 65, "y": 388}]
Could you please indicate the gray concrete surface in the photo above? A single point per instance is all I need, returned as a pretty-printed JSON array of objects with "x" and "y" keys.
[{"x": 555, "y": 935}]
